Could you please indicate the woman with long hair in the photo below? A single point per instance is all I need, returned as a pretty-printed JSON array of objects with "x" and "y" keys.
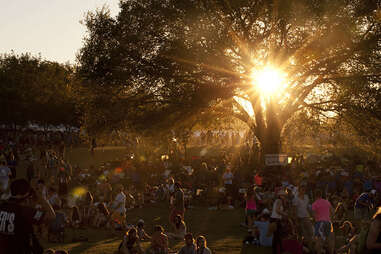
[
  {"x": 130, "y": 243},
  {"x": 201, "y": 245},
  {"x": 180, "y": 228}
]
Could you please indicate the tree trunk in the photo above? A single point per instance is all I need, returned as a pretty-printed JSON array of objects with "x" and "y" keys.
[{"x": 270, "y": 142}]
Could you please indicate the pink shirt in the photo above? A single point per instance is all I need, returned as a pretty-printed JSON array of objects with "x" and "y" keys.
[
  {"x": 321, "y": 207},
  {"x": 251, "y": 204}
]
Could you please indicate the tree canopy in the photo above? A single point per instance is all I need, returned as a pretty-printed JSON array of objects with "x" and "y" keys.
[
  {"x": 169, "y": 60},
  {"x": 36, "y": 91}
]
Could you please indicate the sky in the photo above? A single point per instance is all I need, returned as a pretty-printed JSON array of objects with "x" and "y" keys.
[{"x": 48, "y": 27}]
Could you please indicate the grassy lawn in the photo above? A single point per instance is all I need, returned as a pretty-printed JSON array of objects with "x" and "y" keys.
[{"x": 221, "y": 228}]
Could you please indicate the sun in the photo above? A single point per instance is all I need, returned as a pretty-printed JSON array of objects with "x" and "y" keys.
[{"x": 268, "y": 80}]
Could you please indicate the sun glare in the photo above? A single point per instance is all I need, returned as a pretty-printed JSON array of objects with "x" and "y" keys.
[{"x": 268, "y": 80}]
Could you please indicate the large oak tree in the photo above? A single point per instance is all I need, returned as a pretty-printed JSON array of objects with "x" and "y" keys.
[{"x": 172, "y": 59}]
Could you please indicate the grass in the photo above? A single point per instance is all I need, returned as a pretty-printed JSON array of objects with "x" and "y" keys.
[
  {"x": 221, "y": 227},
  {"x": 224, "y": 235}
]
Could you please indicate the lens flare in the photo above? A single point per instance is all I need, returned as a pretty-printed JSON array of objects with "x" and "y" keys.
[
  {"x": 79, "y": 192},
  {"x": 268, "y": 80}
]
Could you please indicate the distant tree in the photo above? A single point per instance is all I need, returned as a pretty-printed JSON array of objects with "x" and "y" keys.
[
  {"x": 36, "y": 91},
  {"x": 164, "y": 60}
]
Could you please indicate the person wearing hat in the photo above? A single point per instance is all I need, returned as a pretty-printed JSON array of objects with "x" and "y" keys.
[
  {"x": 277, "y": 215},
  {"x": 190, "y": 247},
  {"x": 17, "y": 219}
]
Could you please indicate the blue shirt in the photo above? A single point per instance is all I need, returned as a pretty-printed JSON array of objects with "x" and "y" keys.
[{"x": 263, "y": 227}]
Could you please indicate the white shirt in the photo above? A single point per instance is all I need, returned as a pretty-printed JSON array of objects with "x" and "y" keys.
[
  {"x": 120, "y": 203},
  {"x": 301, "y": 206},
  {"x": 274, "y": 213}
]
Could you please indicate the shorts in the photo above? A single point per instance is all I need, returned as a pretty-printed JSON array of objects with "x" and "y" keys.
[
  {"x": 251, "y": 212},
  {"x": 305, "y": 227},
  {"x": 323, "y": 229}
]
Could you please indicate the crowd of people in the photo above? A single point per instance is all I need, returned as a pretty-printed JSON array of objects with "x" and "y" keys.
[{"x": 326, "y": 207}]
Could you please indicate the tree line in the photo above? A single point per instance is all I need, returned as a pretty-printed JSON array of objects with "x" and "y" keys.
[{"x": 168, "y": 65}]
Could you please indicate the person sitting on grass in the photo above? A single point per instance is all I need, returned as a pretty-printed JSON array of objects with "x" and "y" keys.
[
  {"x": 201, "y": 246},
  {"x": 348, "y": 234},
  {"x": 76, "y": 222},
  {"x": 180, "y": 228},
  {"x": 130, "y": 243},
  {"x": 190, "y": 247},
  {"x": 61, "y": 252},
  {"x": 49, "y": 251},
  {"x": 265, "y": 239},
  {"x": 159, "y": 242},
  {"x": 103, "y": 215},
  {"x": 141, "y": 232}
]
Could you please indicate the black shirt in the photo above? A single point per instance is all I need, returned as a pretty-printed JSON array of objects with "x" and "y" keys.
[{"x": 16, "y": 227}]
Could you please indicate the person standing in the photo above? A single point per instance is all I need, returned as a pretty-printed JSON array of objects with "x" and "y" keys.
[
  {"x": 322, "y": 210},
  {"x": 300, "y": 203},
  {"x": 17, "y": 219},
  {"x": 228, "y": 181},
  {"x": 63, "y": 181},
  {"x": 119, "y": 206},
  {"x": 12, "y": 163},
  {"x": 251, "y": 207},
  {"x": 178, "y": 207},
  {"x": 363, "y": 205},
  {"x": 277, "y": 215}
]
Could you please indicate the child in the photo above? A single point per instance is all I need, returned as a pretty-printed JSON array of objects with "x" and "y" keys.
[{"x": 141, "y": 232}]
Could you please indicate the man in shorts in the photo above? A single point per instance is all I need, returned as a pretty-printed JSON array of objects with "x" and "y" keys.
[{"x": 322, "y": 210}]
